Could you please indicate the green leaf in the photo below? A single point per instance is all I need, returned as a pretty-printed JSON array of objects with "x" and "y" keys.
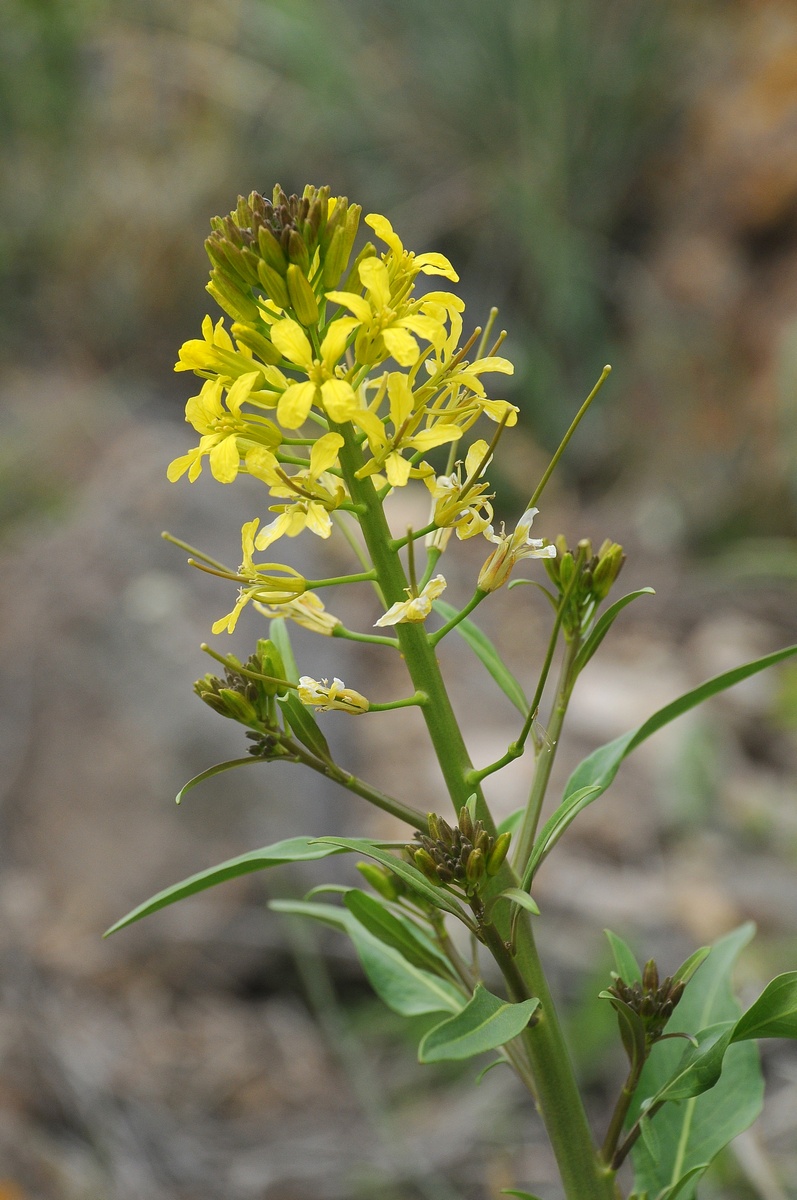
[
  {"x": 403, "y": 987},
  {"x": 278, "y": 633},
  {"x": 515, "y": 896},
  {"x": 217, "y": 770},
  {"x": 497, "y": 1062},
  {"x": 304, "y": 726},
  {"x": 298, "y": 849},
  {"x": 556, "y": 825},
  {"x": 682, "y": 1188},
  {"x": 396, "y": 931},
  {"x": 632, "y": 1028},
  {"x": 701, "y": 1065},
  {"x": 603, "y": 625},
  {"x": 688, "y": 968},
  {"x": 411, "y": 875},
  {"x": 485, "y": 1023},
  {"x": 627, "y": 966},
  {"x": 774, "y": 1014},
  {"x": 691, "y": 1133},
  {"x": 599, "y": 768},
  {"x": 522, "y": 1195},
  {"x": 487, "y": 654}
]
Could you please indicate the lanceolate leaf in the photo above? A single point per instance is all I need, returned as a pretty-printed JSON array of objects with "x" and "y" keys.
[
  {"x": 403, "y": 987},
  {"x": 514, "y": 896},
  {"x": 411, "y": 875},
  {"x": 599, "y": 768},
  {"x": 690, "y": 1133},
  {"x": 278, "y": 633},
  {"x": 603, "y": 625},
  {"x": 395, "y": 931},
  {"x": 774, "y": 1014},
  {"x": 556, "y": 825},
  {"x": 522, "y": 1195},
  {"x": 624, "y": 960},
  {"x": 299, "y": 849},
  {"x": 304, "y": 725},
  {"x": 217, "y": 770},
  {"x": 487, "y": 654},
  {"x": 485, "y": 1023}
]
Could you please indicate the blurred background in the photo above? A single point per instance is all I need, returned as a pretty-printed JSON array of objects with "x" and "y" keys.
[{"x": 621, "y": 180}]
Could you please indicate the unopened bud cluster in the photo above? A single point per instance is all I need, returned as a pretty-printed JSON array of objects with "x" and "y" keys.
[
  {"x": 465, "y": 855},
  {"x": 289, "y": 248},
  {"x": 587, "y": 576},
  {"x": 242, "y": 697},
  {"x": 650, "y": 999}
]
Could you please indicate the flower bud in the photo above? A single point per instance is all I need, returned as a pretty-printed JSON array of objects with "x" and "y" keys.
[
  {"x": 301, "y": 296},
  {"x": 475, "y": 866},
  {"x": 426, "y": 865},
  {"x": 273, "y": 285},
  {"x": 271, "y": 250},
  {"x": 495, "y": 858},
  {"x": 385, "y": 882}
]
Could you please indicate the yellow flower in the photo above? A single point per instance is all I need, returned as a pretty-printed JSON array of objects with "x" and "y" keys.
[
  {"x": 416, "y": 608},
  {"x": 460, "y": 505},
  {"x": 458, "y": 391},
  {"x": 318, "y": 693},
  {"x": 262, "y": 584},
  {"x": 313, "y": 491},
  {"x": 306, "y": 610},
  {"x": 511, "y": 548},
  {"x": 225, "y": 430},
  {"x": 324, "y": 388},
  {"x": 405, "y": 261},
  {"x": 386, "y": 448},
  {"x": 388, "y": 326}
]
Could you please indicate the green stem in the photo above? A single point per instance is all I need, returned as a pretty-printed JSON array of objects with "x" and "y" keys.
[
  {"x": 545, "y": 761},
  {"x": 354, "y": 784},
  {"x": 373, "y": 638},
  {"x": 609, "y": 1148},
  {"x": 475, "y": 600},
  {"x": 584, "y": 1177}
]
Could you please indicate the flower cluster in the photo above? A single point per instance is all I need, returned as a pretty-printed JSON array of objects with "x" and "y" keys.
[{"x": 335, "y": 380}]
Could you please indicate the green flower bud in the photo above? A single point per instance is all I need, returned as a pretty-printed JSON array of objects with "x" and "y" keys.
[
  {"x": 256, "y": 342},
  {"x": 475, "y": 866},
  {"x": 465, "y": 823},
  {"x": 353, "y": 283},
  {"x": 239, "y": 708},
  {"x": 426, "y": 865},
  {"x": 302, "y": 297},
  {"x": 271, "y": 250},
  {"x": 388, "y": 885},
  {"x": 273, "y": 285},
  {"x": 297, "y": 250},
  {"x": 233, "y": 301},
  {"x": 495, "y": 858}
]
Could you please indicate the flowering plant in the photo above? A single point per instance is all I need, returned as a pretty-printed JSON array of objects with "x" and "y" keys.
[{"x": 335, "y": 385}]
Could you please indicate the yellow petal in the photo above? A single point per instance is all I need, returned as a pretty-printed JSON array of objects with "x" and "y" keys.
[
  {"x": 495, "y": 410},
  {"x": 220, "y": 336},
  {"x": 291, "y": 341},
  {"x": 401, "y": 398},
  {"x": 274, "y": 530},
  {"x": 385, "y": 232},
  {"x": 426, "y": 327},
  {"x": 435, "y": 264},
  {"x": 356, "y": 304},
  {"x": 375, "y": 278},
  {"x": 178, "y": 466},
  {"x": 438, "y": 435},
  {"x": 295, "y": 403},
  {"x": 324, "y": 453},
  {"x": 373, "y": 427},
  {"x": 248, "y": 532},
  {"x": 239, "y": 392},
  {"x": 318, "y": 520},
  {"x": 401, "y": 345},
  {"x": 339, "y": 399},
  {"x": 397, "y": 469},
  {"x": 335, "y": 338},
  {"x": 224, "y": 460}
]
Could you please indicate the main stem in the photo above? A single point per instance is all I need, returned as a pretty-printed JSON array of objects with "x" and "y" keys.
[{"x": 559, "y": 1102}]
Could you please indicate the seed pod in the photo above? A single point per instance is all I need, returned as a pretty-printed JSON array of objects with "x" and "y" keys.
[
  {"x": 302, "y": 297},
  {"x": 498, "y": 853}
]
